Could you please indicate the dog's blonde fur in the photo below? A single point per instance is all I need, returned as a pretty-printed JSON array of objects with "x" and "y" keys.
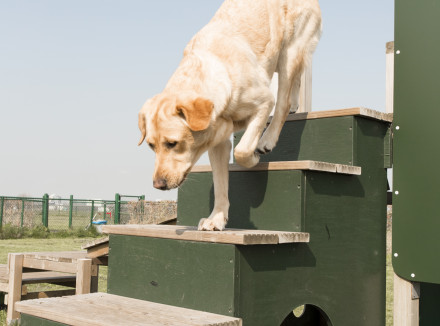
[{"x": 222, "y": 86}]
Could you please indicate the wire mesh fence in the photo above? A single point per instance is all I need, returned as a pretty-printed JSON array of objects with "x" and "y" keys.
[
  {"x": 59, "y": 214},
  {"x": 148, "y": 212}
]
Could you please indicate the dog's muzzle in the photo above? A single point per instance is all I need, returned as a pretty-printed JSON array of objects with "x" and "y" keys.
[{"x": 160, "y": 184}]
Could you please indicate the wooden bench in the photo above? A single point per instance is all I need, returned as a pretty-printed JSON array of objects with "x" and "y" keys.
[
  {"x": 49, "y": 277},
  {"x": 101, "y": 309},
  {"x": 70, "y": 268}
]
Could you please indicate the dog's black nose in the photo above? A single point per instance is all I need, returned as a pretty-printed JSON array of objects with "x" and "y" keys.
[{"x": 160, "y": 184}]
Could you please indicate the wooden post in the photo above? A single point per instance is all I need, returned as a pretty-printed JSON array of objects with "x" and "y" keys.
[
  {"x": 390, "y": 77},
  {"x": 406, "y": 302},
  {"x": 95, "y": 281},
  {"x": 305, "y": 92},
  {"x": 83, "y": 276},
  {"x": 15, "y": 280}
]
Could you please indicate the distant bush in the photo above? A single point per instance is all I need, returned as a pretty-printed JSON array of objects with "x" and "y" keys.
[{"x": 9, "y": 231}]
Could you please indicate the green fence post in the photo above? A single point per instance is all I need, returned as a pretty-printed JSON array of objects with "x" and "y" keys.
[
  {"x": 2, "y": 201},
  {"x": 70, "y": 211},
  {"x": 117, "y": 208},
  {"x": 22, "y": 212},
  {"x": 105, "y": 211},
  {"x": 142, "y": 199},
  {"x": 46, "y": 210},
  {"x": 42, "y": 210},
  {"x": 91, "y": 212}
]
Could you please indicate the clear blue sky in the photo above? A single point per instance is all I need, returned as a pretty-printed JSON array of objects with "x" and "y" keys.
[{"x": 73, "y": 75}]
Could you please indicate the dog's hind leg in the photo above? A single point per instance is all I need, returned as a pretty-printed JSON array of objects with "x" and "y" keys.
[
  {"x": 291, "y": 63},
  {"x": 219, "y": 158},
  {"x": 245, "y": 152}
]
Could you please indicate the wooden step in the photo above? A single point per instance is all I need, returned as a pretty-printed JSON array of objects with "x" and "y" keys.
[
  {"x": 190, "y": 233},
  {"x": 338, "y": 136},
  {"x": 102, "y": 309},
  {"x": 360, "y": 111},
  {"x": 289, "y": 165}
]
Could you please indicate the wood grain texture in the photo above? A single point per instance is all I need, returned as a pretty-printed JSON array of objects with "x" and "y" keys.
[
  {"x": 101, "y": 309},
  {"x": 230, "y": 236},
  {"x": 83, "y": 276},
  {"x": 406, "y": 309},
  {"x": 95, "y": 243},
  {"x": 47, "y": 294},
  {"x": 289, "y": 165},
  {"x": 57, "y": 256},
  {"x": 364, "y": 112},
  {"x": 14, "y": 293}
]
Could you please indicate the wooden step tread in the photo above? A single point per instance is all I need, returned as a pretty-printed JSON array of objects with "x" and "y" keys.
[
  {"x": 360, "y": 111},
  {"x": 230, "y": 236},
  {"x": 102, "y": 309},
  {"x": 289, "y": 165}
]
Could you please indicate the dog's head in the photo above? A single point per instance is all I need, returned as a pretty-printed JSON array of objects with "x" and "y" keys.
[{"x": 173, "y": 127}]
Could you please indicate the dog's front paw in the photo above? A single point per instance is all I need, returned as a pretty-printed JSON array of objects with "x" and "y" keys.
[
  {"x": 248, "y": 160},
  {"x": 266, "y": 144},
  {"x": 211, "y": 224}
]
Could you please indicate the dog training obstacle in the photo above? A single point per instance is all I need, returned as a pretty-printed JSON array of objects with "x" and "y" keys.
[
  {"x": 308, "y": 228},
  {"x": 416, "y": 222}
]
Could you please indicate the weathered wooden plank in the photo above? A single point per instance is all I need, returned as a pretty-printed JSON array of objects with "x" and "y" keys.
[
  {"x": 406, "y": 303},
  {"x": 14, "y": 292},
  {"x": 57, "y": 256},
  {"x": 47, "y": 294},
  {"x": 289, "y": 165},
  {"x": 105, "y": 309},
  {"x": 83, "y": 276},
  {"x": 231, "y": 236},
  {"x": 98, "y": 250},
  {"x": 49, "y": 265},
  {"x": 95, "y": 243},
  {"x": 360, "y": 111}
]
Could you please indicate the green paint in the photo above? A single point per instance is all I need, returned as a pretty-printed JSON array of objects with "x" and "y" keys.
[
  {"x": 416, "y": 178},
  {"x": 117, "y": 208},
  {"x": 46, "y": 210},
  {"x": 255, "y": 202},
  {"x": 28, "y": 320},
  {"x": 173, "y": 272},
  {"x": 92, "y": 211},
  {"x": 22, "y": 213},
  {"x": 327, "y": 139},
  {"x": 2, "y": 202},
  {"x": 70, "y": 211}
]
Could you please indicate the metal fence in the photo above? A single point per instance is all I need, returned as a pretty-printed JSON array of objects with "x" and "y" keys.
[{"x": 63, "y": 213}]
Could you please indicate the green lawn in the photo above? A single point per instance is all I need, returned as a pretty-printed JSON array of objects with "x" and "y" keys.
[
  {"x": 30, "y": 245},
  {"x": 67, "y": 244}
]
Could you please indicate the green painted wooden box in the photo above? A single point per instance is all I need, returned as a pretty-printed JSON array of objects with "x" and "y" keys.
[{"x": 341, "y": 271}]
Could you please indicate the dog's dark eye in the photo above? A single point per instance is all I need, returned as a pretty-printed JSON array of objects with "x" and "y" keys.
[
  {"x": 172, "y": 144},
  {"x": 151, "y": 146}
]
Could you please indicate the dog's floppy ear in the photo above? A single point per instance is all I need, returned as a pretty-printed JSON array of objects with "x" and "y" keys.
[
  {"x": 142, "y": 123},
  {"x": 197, "y": 113}
]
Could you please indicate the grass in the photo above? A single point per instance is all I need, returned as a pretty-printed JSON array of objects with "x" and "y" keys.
[
  {"x": 68, "y": 244},
  {"x": 9, "y": 231},
  {"x": 53, "y": 244}
]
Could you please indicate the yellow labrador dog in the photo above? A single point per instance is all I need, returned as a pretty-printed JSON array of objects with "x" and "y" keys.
[{"x": 222, "y": 86}]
